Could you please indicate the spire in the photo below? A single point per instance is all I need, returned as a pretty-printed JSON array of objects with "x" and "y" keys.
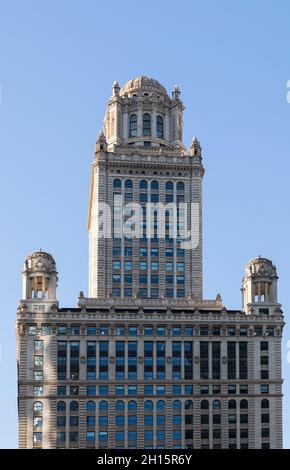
[
  {"x": 176, "y": 92},
  {"x": 195, "y": 148},
  {"x": 116, "y": 88},
  {"x": 101, "y": 144}
]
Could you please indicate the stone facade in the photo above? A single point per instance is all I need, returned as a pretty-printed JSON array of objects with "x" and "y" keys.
[{"x": 145, "y": 361}]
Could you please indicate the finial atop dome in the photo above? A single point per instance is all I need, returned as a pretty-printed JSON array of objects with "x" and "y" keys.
[
  {"x": 101, "y": 144},
  {"x": 195, "y": 148}
]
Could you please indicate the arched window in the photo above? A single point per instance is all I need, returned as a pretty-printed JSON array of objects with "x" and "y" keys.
[
  {"x": 176, "y": 404},
  {"x": 159, "y": 127},
  {"x": 74, "y": 406},
  {"x": 117, "y": 183},
  {"x": 61, "y": 406},
  {"x": 161, "y": 405},
  {"x": 169, "y": 186},
  {"x": 244, "y": 404},
  {"x": 91, "y": 406},
  {"x": 232, "y": 405},
  {"x": 38, "y": 407},
  {"x": 188, "y": 405},
  {"x": 119, "y": 405},
  {"x": 204, "y": 405},
  {"x": 148, "y": 405},
  {"x": 216, "y": 405},
  {"x": 132, "y": 405},
  {"x": 103, "y": 405},
  {"x": 154, "y": 185},
  {"x": 128, "y": 184},
  {"x": 180, "y": 186},
  {"x": 133, "y": 125},
  {"x": 265, "y": 403},
  {"x": 146, "y": 124},
  {"x": 143, "y": 184}
]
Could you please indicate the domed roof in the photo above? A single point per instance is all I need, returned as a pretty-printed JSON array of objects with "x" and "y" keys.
[
  {"x": 144, "y": 84},
  {"x": 40, "y": 261}
]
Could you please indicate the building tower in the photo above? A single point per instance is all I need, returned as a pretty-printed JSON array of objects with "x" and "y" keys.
[
  {"x": 145, "y": 361},
  {"x": 141, "y": 158}
]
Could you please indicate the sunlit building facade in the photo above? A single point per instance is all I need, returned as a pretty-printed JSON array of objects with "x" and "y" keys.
[{"x": 144, "y": 361}]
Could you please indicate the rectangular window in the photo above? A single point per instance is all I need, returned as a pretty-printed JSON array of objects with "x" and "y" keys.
[
  {"x": 103, "y": 390},
  {"x": 176, "y": 360},
  {"x": 62, "y": 330},
  {"x": 148, "y": 330},
  {"x": 45, "y": 329},
  {"x": 61, "y": 360},
  {"x": 243, "y": 389},
  {"x": 203, "y": 360},
  {"x": 61, "y": 390},
  {"x": 148, "y": 360},
  {"x": 154, "y": 252},
  {"x": 91, "y": 421},
  {"x": 38, "y": 390},
  {"x": 103, "y": 360},
  {"x": 143, "y": 265},
  {"x": 203, "y": 331},
  {"x": 216, "y": 389},
  {"x": 74, "y": 390},
  {"x": 188, "y": 360},
  {"x": 38, "y": 345},
  {"x": 132, "y": 360},
  {"x": 75, "y": 329},
  {"x": 216, "y": 359},
  {"x": 176, "y": 330},
  {"x": 264, "y": 388},
  {"x": 243, "y": 360},
  {"x": 232, "y": 389},
  {"x": 91, "y": 390},
  {"x": 120, "y": 360},
  {"x": 91, "y": 360},
  {"x": 160, "y": 389},
  {"x": 120, "y": 330},
  {"x": 160, "y": 360},
  {"x": 91, "y": 330},
  {"x": 74, "y": 359},
  {"x": 232, "y": 331},
  {"x": 243, "y": 331},
  {"x": 104, "y": 330},
  {"x": 38, "y": 361},
  {"x": 38, "y": 375},
  {"x": 231, "y": 360},
  {"x": 32, "y": 329},
  {"x": 204, "y": 389},
  {"x": 216, "y": 331},
  {"x": 176, "y": 390},
  {"x": 264, "y": 374}
]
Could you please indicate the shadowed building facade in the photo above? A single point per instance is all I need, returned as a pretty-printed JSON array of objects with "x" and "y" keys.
[{"x": 145, "y": 361}]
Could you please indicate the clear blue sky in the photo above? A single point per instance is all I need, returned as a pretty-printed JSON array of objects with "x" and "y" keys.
[{"x": 58, "y": 61}]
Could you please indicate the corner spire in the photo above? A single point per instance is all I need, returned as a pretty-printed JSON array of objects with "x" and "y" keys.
[
  {"x": 101, "y": 144},
  {"x": 195, "y": 148}
]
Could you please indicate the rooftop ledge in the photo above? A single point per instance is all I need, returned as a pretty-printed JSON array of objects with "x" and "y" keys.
[{"x": 86, "y": 302}]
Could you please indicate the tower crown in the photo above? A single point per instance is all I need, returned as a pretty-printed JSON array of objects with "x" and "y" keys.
[
  {"x": 141, "y": 113},
  {"x": 39, "y": 277}
]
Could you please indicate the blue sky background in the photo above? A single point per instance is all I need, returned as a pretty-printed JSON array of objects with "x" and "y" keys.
[{"x": 58, "y": 60}]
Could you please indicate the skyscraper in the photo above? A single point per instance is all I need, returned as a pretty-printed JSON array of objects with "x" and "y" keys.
[{"x": 145, "y": 361}]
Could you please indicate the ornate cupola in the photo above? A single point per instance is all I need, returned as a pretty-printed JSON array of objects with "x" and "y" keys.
[
  {"x": 39, "y": 278},
  {"x": 259, "y": 287},
  {"x": 142, "y": 114}
]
